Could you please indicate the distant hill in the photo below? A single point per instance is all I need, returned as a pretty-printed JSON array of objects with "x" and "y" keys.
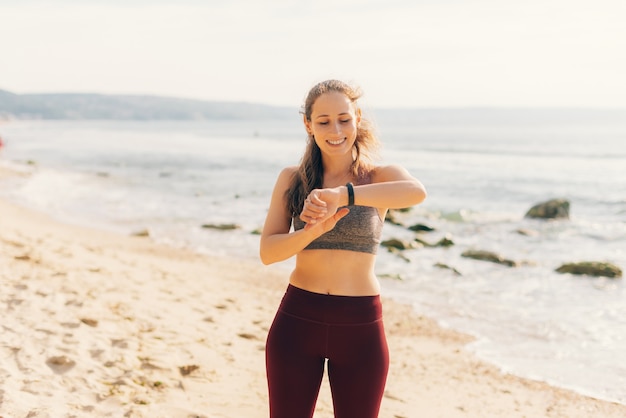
[
  {"x": 129, "y": 107},
  {"x": 135, "y": 107}
]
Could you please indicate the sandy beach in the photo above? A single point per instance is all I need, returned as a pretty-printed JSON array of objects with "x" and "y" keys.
[{"x": 98, "y": 324}]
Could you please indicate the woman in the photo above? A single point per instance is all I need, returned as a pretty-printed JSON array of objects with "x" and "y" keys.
[{"x": 336, "y": 200}]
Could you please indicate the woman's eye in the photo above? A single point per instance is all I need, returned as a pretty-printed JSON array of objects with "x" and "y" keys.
[{"x": 340, "y": 121}]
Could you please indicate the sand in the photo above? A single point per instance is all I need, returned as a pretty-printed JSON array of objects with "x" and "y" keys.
[{"x": 99, "y": 324}]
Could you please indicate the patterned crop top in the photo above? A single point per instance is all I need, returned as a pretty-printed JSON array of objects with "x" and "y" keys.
[{"x": 360, "y": 230}]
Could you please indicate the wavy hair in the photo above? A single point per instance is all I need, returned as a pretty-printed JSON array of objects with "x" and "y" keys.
[{"x": 310, "y": 173}]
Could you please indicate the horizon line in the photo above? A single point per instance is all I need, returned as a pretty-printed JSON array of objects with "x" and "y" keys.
[{"x": 384, "y": 107}]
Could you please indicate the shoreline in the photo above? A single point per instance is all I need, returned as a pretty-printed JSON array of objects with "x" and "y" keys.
[{"x": 101, "y": 324}]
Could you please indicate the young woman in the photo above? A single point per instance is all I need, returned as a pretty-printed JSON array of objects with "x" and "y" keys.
[{"x": 336, "y": 200}]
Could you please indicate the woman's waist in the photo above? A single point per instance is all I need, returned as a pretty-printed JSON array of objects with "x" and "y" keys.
[
  {"x": 330, "y": 309},
  {"x": 354, "y": 276}
]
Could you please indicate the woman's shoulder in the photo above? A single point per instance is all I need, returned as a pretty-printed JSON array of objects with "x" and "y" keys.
[
  {"x": 286, "y": 174},
  {"x": 288, "y": 171}
]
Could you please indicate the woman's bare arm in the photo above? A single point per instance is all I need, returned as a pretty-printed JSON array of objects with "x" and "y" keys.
[
  {"x": 392, "y": 187},
  {"x": 277, "y": 242}
]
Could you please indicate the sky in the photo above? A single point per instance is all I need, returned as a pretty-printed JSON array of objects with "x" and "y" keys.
[{"x": 402, "y": 53}]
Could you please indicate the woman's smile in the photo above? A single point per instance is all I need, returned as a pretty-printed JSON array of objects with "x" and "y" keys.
[{"x": 337, "y": 142}]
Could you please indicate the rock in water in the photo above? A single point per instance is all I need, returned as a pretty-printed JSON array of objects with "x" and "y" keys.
[
  {"x": 489, "y": 256},
  {"x": 399, "y": 244},
  {"x": 592, "y": 268},
  {"x": 223, "y": 227},
  {"x": 551, "y": 209}
]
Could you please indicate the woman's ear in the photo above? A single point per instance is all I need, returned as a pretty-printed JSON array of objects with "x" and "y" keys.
[
  {"x": 307, "y": 125},
  {"x": 358, "y": 116}
]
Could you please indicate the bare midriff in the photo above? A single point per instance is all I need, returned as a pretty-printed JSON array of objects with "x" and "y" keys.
[{"x": 336, "y": 272}]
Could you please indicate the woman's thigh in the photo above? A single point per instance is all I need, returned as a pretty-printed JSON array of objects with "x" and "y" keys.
[
  {"x": 357, "y": 368},
  {"x": 295, "y": 366}
]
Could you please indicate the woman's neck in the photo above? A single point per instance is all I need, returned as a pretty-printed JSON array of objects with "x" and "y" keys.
[
  {"x": 338, "y": 176},
  {"x": 337, "y": 167}
]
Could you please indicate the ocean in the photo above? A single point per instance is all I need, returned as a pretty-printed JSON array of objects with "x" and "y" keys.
[{"x": 483, "y": 169}]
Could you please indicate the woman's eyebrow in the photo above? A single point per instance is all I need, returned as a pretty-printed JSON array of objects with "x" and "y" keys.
[{"x": 327, "y": 116}]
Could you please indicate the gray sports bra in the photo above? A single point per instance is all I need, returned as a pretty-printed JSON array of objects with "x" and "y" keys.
[{"x": 360, "y": 230}]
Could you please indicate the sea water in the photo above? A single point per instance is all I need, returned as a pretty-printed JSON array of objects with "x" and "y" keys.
[{"x": 483, "y": 170}]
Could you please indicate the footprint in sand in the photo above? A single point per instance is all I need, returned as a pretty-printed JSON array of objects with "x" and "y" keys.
[
  {"x": 60, "y": 364},
  {"x": 89, "y": 321},
  {"x": 186, "y": 370},
  {"x": 248, "y": 336}
]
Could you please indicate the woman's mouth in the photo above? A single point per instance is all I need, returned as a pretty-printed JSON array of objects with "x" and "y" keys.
[{"x": 337, "y": 142}]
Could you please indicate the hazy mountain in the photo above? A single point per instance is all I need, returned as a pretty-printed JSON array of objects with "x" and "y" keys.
[
  {"x": 124, "y": 107},
  {"x": 135, "y": 107}
]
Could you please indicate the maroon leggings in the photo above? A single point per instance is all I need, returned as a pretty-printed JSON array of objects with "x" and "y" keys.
[{"x": 312, "y": 327}]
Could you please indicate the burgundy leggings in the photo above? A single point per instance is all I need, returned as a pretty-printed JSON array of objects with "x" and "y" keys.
[{"x": 312, "y": 327}]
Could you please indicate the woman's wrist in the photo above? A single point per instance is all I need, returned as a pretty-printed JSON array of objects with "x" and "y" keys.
[
  {"x": 350, "y": 194},
  {"x": 343, "y": 196}
]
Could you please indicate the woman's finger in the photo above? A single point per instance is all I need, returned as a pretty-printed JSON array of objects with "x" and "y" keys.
[
  {"x": 314, "y": 210},
  {"x": 315, "y": 199}
]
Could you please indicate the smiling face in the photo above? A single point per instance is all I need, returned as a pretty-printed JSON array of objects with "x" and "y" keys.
[{"x": 333, "y": 123}]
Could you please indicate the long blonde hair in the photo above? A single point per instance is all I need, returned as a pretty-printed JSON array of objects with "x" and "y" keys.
[{"x": 310, "y": 174}]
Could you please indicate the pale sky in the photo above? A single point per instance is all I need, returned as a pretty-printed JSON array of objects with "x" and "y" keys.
[{"x": 417, "y": 53}]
